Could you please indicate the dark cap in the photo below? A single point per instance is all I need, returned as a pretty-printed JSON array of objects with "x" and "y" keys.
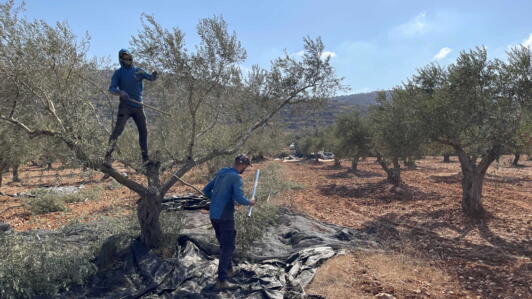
[{"x": 242, "y": 159}]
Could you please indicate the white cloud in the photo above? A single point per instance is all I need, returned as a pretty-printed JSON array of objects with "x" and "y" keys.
[
  {"x": 416, "y": 26},
  {"x": 442, "y": 53},
  {"x": 299, "y": 54},
  {"x": 528, "y": 42},
  {"x": 326, "y": 54}
]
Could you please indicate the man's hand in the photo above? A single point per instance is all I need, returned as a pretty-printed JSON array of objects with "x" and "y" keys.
[
  {"x": 252, "y": 202},
  {"x": 123, "y": 96}
]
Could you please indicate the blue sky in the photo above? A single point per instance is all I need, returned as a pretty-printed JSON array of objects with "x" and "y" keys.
[{"x": 375, "y": 44}]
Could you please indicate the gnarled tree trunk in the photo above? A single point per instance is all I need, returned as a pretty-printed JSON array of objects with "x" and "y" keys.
[
  {"x": 473, "y": 180},
  {"x": 2, "y": 167},
  {"x": 16, "y": 177},
  {"x": 336, "y": 162},
  {"x": 515, "y": 162},
  {"x": 393, "y": 174},
  {"x": 148, "y": 211},
  {"x": 354, "y": 164},
  {"x": 149, "y": 208},
  {"x": 410, "y": 162}
]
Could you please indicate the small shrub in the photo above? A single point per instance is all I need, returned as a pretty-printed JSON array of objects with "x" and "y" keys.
[
  {"x": 251, "y": 229},
  {"x": 271, "y": 184},
  {"x": 82, "y": 195},
  {"x": 45, "y": 204},
  {"x": 41, "y": 266},
  {"x": 48, "y": 201},
  {"x": 31, "y": 267}
]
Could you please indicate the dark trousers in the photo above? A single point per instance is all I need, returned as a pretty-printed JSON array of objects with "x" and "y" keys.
[
  {"x": 225, "y": 233},
  {"x": 137, "y": 113}
]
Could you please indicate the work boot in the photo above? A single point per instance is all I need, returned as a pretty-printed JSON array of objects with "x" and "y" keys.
[{"x": 225, "y": 285}]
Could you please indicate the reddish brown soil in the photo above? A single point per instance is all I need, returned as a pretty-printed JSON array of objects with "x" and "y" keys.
[
  {"x": 431, "y": 250},
  {"x": 488, "y": 258},
  {"x": 115, "y": 202}
]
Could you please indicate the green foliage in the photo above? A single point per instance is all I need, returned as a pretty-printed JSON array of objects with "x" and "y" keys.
[
  {"x": 396, "y": 132},
  {"x": 46, "y": 201},
  {"x": 353, "y": 134},
  {"x": 45, "y": 204},
  {"x": 475, "y": 104},
  {"x": 271, "y": 184},
  {"x": 34, "y": 264},
  {"x": 30, "y": 267}
]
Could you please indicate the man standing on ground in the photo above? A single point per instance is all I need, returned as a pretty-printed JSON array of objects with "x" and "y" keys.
[
  {"x": 224, "y": 190},
  {"x": 127, "y": 84}
]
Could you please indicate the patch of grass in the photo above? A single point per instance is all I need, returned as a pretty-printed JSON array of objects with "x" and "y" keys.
[
  {"x": 48, "y": 201},
  {"x": 34, "y": 264},
  {"x": 272, "y": 183},
  {"x": 30, "y": 267},
  {"x": 45, "y": 204}
]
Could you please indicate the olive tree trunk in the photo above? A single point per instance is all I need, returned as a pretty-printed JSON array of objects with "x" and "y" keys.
[
  {"x": 354, "y": 164},
  {"x": 148, "y": 211},
  {"x": 472, "y": 181},
  {"x": 16, "y": 177},
  {"x": 393, "y": 174},
  {"x": 336, "y": 162},
  {"x": 515, "y": 162}
]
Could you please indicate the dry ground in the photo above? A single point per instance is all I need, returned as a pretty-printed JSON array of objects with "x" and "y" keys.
[
  {"x": 429, "y": 248},
  {"x": 114, "y": 198}
]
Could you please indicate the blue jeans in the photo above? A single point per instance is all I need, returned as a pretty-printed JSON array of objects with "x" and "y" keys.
[{"x": 225, "y": 233}]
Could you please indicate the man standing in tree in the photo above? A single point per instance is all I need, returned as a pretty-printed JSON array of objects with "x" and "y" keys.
[
  {"x": 224, "y": 190},
  {"x": 127, "y": 84}
]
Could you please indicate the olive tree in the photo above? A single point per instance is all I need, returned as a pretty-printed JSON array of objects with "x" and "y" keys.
[
  {"x": 475, "y": 106},
  {"x": 396, "y": 133},
  {"x": 354, "y": 138},
  {"x": 214, "y": 108}
]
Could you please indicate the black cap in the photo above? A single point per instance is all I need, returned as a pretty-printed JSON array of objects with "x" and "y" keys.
[{"x": 242, "y": 159}]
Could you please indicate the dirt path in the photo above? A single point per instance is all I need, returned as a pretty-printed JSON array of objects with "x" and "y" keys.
[{"x": 425, "y": 222}]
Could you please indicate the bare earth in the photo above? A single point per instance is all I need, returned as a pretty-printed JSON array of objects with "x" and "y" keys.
[
  {"x": 432, "y": 250},
  {"x": 429, "y": 248}
]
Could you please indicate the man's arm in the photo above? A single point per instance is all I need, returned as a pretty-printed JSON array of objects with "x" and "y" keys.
[
  {"x": 207, "y": 190},
  {"x": 149, "y": 77},
  {"x": 113, "y": 88},
  {"x": 238, "y": 193}
]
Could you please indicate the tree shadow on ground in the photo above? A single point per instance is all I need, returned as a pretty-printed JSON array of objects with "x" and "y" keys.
[
  {"x": 348, "y": 173},
  {"x": 415, "y": 234},
  {"x": 446, "y": 179},
  {"x": 505, "y": 179},
  {"x": 382, "y": 192},
  {"x": 63, "y": 184}
]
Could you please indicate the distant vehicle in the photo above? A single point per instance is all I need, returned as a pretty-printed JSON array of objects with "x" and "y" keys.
[
  {"x": 326, "y": 155},
  {"x": 292, "y": 146}
]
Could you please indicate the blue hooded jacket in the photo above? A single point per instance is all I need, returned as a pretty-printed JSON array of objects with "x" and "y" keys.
[
  {"x": 224, "y": 190},
  {"x": 129, "y": 79}
]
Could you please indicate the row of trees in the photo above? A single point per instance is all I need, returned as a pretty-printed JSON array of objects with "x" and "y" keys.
[
  {"x": 475, "y": 108},
  {"x": 215, "y": 107}
]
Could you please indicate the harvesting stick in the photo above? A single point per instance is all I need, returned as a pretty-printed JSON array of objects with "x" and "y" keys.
[
  {"x": 254, "y": 190},
  {"x": 148, "y": 106}
]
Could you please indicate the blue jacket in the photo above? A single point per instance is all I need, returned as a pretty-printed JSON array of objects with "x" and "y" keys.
[
  {"x": 224, "y": 190},
  {"x": 129, "y": 79}
]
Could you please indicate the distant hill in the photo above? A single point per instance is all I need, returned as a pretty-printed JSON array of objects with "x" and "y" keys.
[{"x": 296, "y": 118}]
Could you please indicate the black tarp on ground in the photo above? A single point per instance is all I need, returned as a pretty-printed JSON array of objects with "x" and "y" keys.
[{"x": 279, "y": 266}]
